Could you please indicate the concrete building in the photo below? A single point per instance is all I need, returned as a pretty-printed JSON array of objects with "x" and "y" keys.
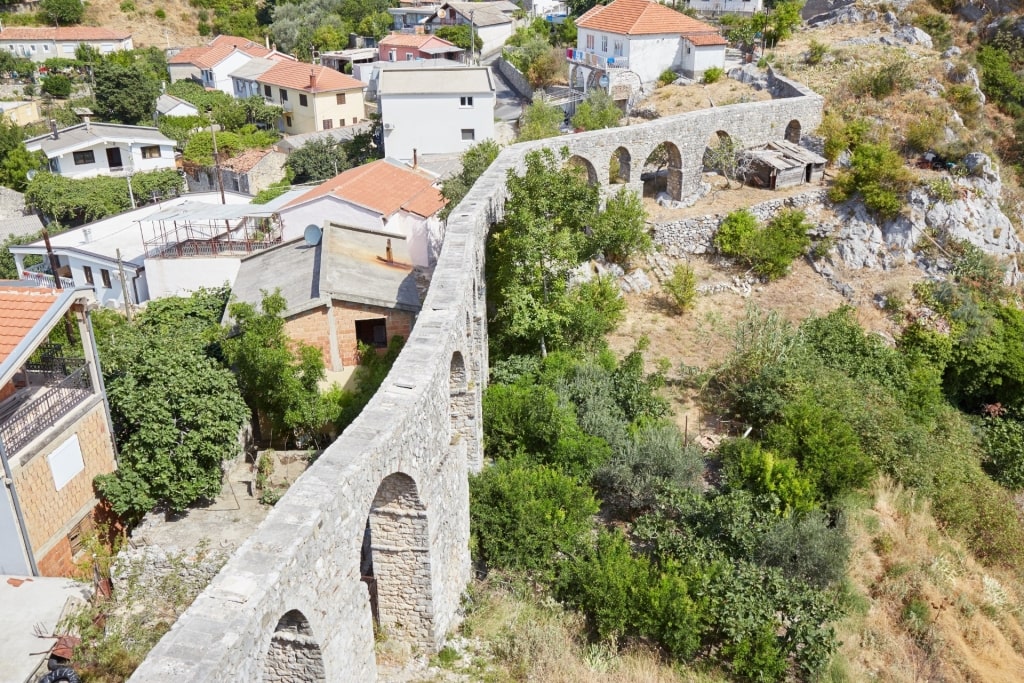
[
  {"x": 55, "y": 431},
  {"x": 314, "y": 98},
  {"x": 399, "y": 47},
  {"x": 354, "y": 286},
  {"x": 435, "y": 111},
  {"x": 643, "y": 37},
  {"x": 718, "y": 7},
  {"x": 492, "y": 21},
  {"x": 20, "y": 113},
  {"x": 40, "y": 44},
  {"x": 411, "y": 14},
  {"x": 92, "y": 149},
  {"x": 243, "y": 79},
  {"x": 381, "y": 197},
  {"x": 211, "y": 65},
  {"x": 249, "y": 172},
  {"x": 169, "y": 105}
]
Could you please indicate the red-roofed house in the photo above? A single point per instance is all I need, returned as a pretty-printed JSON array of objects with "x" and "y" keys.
[
  {"x": 381, "y": 197},
  {"x": 402, "y": 47},
  {"x": 55, "y": 431},
  {"x": 40, "y": 44},
  {"x": 211, "y": 64},
  {"x": 314, "y": 98},
  {"x": 645, "y": 37}
]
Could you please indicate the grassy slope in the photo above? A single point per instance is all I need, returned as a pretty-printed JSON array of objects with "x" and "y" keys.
[{"x": 178, "y": 29}]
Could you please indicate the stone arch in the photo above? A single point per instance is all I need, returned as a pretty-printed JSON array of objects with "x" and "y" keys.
[
  {"x": 793, "y": 132},
  {"x": 294, "y": 653},
  {"x": 619, "y": 167},
  {"x": 663, "y": 171},
  {"x": 400, "y": 573},
  {"x": 716, "y": 140},
  {"x": 585, "y": 166}
]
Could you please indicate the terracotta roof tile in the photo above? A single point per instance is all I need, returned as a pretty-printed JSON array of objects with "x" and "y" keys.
[
  {"x": 703, "y": 40},
  {"x": 209, "y": 55},
  {"x": 383, "y": 187},
  {"x": 296, "y": 75},
  {"x": 410, "y": 40},
  {"x": 246, "y": 161},
  {"x": 20, "y": 309},
  {"x": 63, "y": 33},
  {"x": 641, "y": 17}
]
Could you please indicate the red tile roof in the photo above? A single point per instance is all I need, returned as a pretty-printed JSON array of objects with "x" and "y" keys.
[
  {"x": 63, "y": 33},
  {"x": 296, "y": 75},
  {"x": 20, "y": 309},
  {"x": 209, "y": 55},
  {"x": 641, "y": 17},
  {"x": 382, "y": 187},
  {"x": 703, "y": 40},
  {"x": 411, "y": 40}
]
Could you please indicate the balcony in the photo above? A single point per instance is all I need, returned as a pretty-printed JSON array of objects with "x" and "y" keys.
[
  {"x": 43, "y": 277},
  {"x": 51, "y": 388},
  {"x": 594, "y": 60}
]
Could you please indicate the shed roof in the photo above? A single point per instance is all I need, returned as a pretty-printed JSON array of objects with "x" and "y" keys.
[
  {"x": 459, "y": 80},
  {"x": 642, "y": 17},
  {"x": 483, "y": 13},
  {"x": 782, "y": 154}
]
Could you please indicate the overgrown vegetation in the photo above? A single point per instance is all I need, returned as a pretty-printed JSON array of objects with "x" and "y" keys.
[
  {"x": 73, "y": 201},
  {"x": 769, "y": 251}
]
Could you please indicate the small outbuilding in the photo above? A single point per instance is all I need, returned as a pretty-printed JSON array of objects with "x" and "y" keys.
[{"x": 781, "y": 163}]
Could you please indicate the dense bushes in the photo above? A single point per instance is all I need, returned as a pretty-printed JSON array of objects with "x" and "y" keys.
[
  {"x": 768, "y": 251},
  {"x": 878, "y": 175},
  {"x": 74, "y": 201}
]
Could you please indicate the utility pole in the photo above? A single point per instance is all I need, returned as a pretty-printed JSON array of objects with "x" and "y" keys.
[
  {"x": 124, "y": 287},
  {"x": 216, "y": 161},
  {"x": 472, "y": 37}
]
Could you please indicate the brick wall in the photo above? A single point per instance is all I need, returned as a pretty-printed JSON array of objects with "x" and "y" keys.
[
  {"x": 311, "y": 327},
  {"x": 345, "y": 316},
  {"x": 7, "y": 390},
  {"x": 49, "y": 514}
]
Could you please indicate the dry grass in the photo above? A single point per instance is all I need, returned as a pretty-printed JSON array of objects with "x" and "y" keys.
[
  {"x": 972, "y": 630},
  {"x": 178, "y": 29},
  {"x": 676, "y": 99}
]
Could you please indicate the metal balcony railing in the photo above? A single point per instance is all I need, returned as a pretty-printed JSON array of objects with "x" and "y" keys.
[{"x": 41, "y": 413}]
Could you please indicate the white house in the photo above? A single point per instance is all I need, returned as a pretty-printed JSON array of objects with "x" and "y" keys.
[
  {"x": 492, "y": 21},
  {"x": 717, "y": 7},
  {"x": 169, "y": 105},
  {"x": 382, "y": 197},
  {"x": 643, "y": 37},
  {"x": 244, "y": 79},
  {"x": 40, "y": 44},
  {"x": 212, "y": 64},
  {"x": 92, "y": 149},
  {"x": 435, "y": 111}
]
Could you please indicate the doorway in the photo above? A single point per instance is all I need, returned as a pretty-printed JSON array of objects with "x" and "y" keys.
[{"x": 114, "y": 158}]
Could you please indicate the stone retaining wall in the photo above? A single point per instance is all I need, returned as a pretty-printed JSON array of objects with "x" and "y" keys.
[{"x": 515, "y": 78}]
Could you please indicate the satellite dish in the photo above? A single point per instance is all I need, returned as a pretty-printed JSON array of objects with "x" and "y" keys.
[
  {"x": 441, "y": 13},
  {"x": 313, "y": 234}
]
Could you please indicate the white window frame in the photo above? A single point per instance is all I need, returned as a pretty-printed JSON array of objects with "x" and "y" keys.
[
  {"x": 590, "y": 41},
  {"x": 604, "y": 43}
]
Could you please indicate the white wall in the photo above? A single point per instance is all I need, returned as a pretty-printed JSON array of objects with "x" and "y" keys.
[
  {"x": 41, "y": 50},
  {"x": 100, "y": 166},
  {"x": 650, "y": 55},
  {"x": 181, "y": 276},
  {"x": 222, "y": 72},
  {"x": 726, "y": 6},
  {"x": 183, "y": 72},
  {"x": 698, "y": 59},
  {"x": 494, "y": 37},
  {"x": 433, "y": 124}
]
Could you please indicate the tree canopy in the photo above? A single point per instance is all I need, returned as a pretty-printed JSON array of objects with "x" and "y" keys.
[{"x": 124, "y": 93}]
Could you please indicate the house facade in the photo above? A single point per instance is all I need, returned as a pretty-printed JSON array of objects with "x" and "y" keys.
[
  {"x": 718, "y": 7},
  {"x": 313, "y": 98},
  {"x": 642, "y": 37},
  {"x": 40, "y": 44},
  {"x": 55, "y": 431},
  {"x": 169, "y": 105},
  {"x": 92, "y": 149},
  {"x": 20, "y": 113},
  {"x": 458, "y": 103},
  {"x": 249, "y": 172},
  {"x": 380, "y": 197},
  {"x": 211, "y": 65},
  {"x": 400, "y": 47},
  {"x": 492, "y": 21}
]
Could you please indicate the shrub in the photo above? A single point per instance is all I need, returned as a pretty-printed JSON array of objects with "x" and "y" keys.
[
  {"x": 1003, "y": 442},
  {"x": 769, "y": 251},
  {"x": 127, "y": 6},
  {"x": 160, "y": 13},
  {"x": 57, "y": 85},
  {"x": 816, "y": 52},
  {"x": 965, "y": 101},
  {"x": 62, "y": 11},
  {"x": 667, "y": 77},
  {"x": 522, "y": 515},
  {"x": 883, "y": 81},
  {"x": 775, "y": 479},
  {"x": 806, "y": 548},
  {"x": 877, "y": 173},
  {"x": 713, "y": 75},
  {"x": 736, "y": 232},
  {"x": 937, "y": 26},
  {"x": 681, "y": 287},
  {"x": 925, "y": 132}
]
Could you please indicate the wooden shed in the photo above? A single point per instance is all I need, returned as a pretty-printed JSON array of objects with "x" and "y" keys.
[{"x": 782, "y": 164}]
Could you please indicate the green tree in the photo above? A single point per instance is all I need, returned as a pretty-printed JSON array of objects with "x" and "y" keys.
[
  {"x": 540, "y": 120},
  {"x": 475, "y": 161},
  {"x": 459, "y": 36},
  {"x": 596, "y": 112},
  {"x": 278, "y": 378},
  {"x": 124, "y": 94},
  {"x": 57, "y": 85},
  {"x": 376, "y": 24},
  {"x": 620, "y": 231},
  {"x": 878, "y": 175},
  {"x": 62, "y": 11},
  {"x": 73, "y": 201},
  {"x": 318, "y": 160}
]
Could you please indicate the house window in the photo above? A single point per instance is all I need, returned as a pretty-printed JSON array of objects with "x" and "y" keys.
[
  {"x": 465, "y": 101},
  {"x": 68, "y": 49},
  {"x": 604, "y": 43},
  {"x": 339, "y": 98},
  {"x": 83, "y": 158},
  {"x": 618, "y": 48},
  {"x": 303, "y": 100},
  {"x": 328, "y": 124},
  {"x": 590, "y": 42},
  {"x": 87, "y": 271},
  {"x": 46, "y": 48},
  {"x": 287, "y": 121},
  {"x": 392, "y": 55},
  {"x": 468, "y": 134},
  {"x": 341, "y": 122},
  {"x": 151, "y": 152},
  {"x": 267, "y": 91},
  {"x": 283, "y": 93},
  {"x": 372, "y": 332},
  {"x": 688, "y": 49},
  {"x": 409, "y": 56},
  {"x": 105, "y": 276}
]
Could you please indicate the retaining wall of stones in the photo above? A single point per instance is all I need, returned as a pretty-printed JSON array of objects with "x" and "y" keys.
[{"x": 401, "y": 467}]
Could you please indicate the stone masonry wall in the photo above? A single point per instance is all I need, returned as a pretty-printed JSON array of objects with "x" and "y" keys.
[
  {"x": 695, "y": 235},
  {"x": 515, "y": 78},
  {"x": 412, "y": 437}
]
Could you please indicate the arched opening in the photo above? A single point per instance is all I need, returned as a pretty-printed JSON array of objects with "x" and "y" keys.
[
  {"x": 793, "y": 132},
  {"x": 663, "y": 172},
  {"x": 294, "y": 654},
  {"x": 399, "y": 562},
  {"x": 584, "y": 166},
  {"x": 722, "y": 156},
  {"x": 618, "y": 167},
  {"x": 460, "y": 400}
]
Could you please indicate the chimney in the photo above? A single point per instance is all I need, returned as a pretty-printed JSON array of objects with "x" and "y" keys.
[
  {"x": 415, "y": 158},
  {"x": 87, "y": 235},
  {"x": 390, "y": 254},
  {"x": 53, "y": 129},
  {"x": 312, "y": 78},
  {"x": 87, "y": 119},
  {"x": 266, "y": 42}
]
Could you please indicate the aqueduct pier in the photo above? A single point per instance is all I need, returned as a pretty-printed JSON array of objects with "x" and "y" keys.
[{"x": 290, "y": 604}]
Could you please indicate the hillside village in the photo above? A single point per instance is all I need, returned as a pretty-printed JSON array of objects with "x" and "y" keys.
[{"x": 410, "y": 340}]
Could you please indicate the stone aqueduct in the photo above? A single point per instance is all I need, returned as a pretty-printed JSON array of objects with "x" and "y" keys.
[{"x": 290, "y": 604}]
